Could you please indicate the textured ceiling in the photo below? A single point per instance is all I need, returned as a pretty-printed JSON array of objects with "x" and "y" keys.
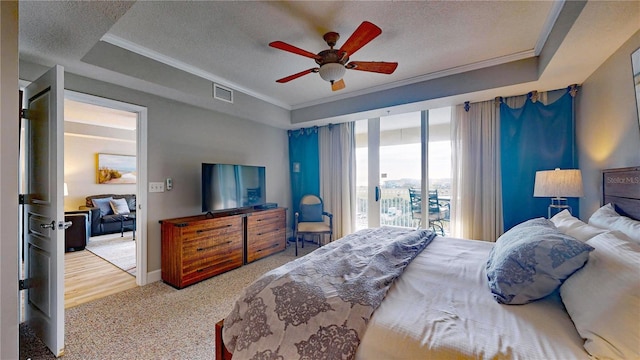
[
  {"x": 227, "y": 41},
  {"x": 230, "y": 39}
]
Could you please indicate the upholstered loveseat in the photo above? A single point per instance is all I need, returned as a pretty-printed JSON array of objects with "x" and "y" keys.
[{"x": 103, "y": 219}]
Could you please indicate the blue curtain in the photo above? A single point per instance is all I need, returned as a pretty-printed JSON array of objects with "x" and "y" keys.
[
  {"x": 304, "y": 164},
  {"x": 534, "y": 137}
]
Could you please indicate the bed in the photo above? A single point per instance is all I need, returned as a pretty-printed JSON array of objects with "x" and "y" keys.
[{"x": 451, "y": 301}]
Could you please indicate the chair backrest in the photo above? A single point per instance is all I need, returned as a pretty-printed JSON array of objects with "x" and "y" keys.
[
  {"x": 415, "y": 199},
  {"x": 311, "y": 208},
  {"x": 434, "y": 204}
]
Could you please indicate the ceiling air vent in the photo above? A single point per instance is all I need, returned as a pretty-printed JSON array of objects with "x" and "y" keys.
[{"x": 222, "y": 93}]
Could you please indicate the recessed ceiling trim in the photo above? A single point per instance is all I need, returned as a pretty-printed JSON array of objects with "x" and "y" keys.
[
  {"x": 98, "y": 137},
  {"x": 556, "y": 8},
  {"x": 141, "y": 50},
  {"x": 434, "y": 75}
]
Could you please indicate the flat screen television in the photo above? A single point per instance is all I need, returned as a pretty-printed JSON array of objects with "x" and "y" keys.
[{"x": 226, "y": 186}]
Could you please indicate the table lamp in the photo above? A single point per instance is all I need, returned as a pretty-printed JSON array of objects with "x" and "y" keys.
[{"x": 559, "y": 185}]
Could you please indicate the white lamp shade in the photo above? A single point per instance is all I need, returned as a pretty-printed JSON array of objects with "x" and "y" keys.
[
  {"x": 66, "y": 190},
  {"x": 332, "y": 71},
  {"x": 558, "y": 183}
]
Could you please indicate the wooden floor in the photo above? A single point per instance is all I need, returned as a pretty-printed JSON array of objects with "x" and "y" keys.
[{"x": 88, "y": 277}]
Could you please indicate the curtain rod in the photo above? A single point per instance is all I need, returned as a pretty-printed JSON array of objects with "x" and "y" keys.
[
  {"x": 302, "y": 131},
  {"x": 533, "y": 95}
]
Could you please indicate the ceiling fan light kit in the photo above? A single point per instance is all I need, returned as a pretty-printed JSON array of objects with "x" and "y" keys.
[
  {"x": 334, "y": 63},
  {"x": 332, "y": 71}
]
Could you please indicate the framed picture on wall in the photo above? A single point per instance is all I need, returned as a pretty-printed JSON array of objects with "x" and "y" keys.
[
  {"x": 635, "y": 66},
  {"x": 116, "y": 169}
]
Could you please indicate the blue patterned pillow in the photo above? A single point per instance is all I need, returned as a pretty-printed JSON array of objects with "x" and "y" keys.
[
  {"x": 531, "y": 260},
  {"x": 104, "y": 205}
]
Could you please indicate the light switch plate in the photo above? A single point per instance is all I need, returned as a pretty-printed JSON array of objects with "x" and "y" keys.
[{"x": 156, "y": 186}]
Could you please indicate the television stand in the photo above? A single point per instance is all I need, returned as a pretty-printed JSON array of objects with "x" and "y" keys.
[{"x": 198, "y": 247}]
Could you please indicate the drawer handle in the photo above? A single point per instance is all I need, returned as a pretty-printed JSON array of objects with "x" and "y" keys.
[
  {"x": 270, "y": 247},
  {"x": 213, "y": 246},
  {"x": 212, "y": 229},
  {"x": 269, "y": 218}
]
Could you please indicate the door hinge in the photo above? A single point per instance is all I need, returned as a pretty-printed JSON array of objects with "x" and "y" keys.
[
  {"x": 24, "y": 284},
  {"x": 24, "y": 113},
  {"x": 24, "y": 199}
]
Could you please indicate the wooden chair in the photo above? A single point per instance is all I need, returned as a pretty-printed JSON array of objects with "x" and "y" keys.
[{"x": 310, "y": 220}]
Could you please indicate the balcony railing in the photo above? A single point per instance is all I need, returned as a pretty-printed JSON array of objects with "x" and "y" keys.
[{"x": 395, "y": 209}]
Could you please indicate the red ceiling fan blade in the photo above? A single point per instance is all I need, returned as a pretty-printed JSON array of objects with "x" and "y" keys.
[
  {"x": 373, "y": 66},
  {"x": 295, "y": 76},
  {"x": 337, "y": 85},
  {"x": 290, "y": 48},
  {"x": 363, "y": 34}
]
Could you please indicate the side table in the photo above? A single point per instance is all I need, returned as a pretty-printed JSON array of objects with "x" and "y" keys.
[
  {"x": 132, "y": 226},
  {"x": 77, "y": 235}
]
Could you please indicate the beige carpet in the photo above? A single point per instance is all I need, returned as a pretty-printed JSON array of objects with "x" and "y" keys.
[
  {"x": 159, "y": 322},
  {"x": 120, "y": 251}
]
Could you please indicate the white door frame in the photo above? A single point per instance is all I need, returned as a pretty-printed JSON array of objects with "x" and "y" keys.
[
  {"x": 373, "y": 184},
  {"x": 373, "y": 203},
  {"x": 141, "y": 163}
]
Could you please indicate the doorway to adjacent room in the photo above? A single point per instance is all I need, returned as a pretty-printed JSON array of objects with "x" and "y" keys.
[{"x": 97, "y": 129}]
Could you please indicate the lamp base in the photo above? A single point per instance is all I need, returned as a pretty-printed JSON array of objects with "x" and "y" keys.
[{"x": 557, "y": 205}]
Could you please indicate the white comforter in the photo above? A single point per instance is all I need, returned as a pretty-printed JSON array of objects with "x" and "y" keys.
[{"x": 441, "y": 308}]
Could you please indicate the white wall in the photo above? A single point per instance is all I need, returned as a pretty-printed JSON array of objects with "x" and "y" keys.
[
  {"x": 180, "y": 138},
  {"x": 9, "y": 179},
  {"x": 608, "y": 133},
  {"x": 82, "y": 143}
]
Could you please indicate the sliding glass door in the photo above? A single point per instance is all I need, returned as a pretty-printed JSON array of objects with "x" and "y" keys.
[{"x": 391, "y": 171}]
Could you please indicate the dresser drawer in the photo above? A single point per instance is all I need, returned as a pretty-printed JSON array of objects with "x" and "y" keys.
[
  {"x": 211, "y": 247},
  {"x": 264, "y": 218},
  {"x": 212, "y": 228},
  {"x": 260, "y": 245},
  {"x": 206, "y": 268}
]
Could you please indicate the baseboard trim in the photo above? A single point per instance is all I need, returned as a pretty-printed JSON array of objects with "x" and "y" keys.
[{"x": 154, "y": 276}]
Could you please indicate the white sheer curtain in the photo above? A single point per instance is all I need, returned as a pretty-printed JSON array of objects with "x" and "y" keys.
[
  {"x": 476, "y": 209},
  {"x": 337, "y": 175}
]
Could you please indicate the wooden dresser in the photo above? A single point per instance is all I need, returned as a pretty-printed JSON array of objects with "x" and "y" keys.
[{"x": 196, "y": 248}]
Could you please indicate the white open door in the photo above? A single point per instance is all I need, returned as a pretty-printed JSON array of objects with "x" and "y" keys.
[{"x": 43, "y": 223}]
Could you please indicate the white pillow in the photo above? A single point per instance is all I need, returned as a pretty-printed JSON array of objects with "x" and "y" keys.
[
  {"x": 607, "y": 218},
  {"x": 574, "y": 227},
  {"x": 603, "y": 298},
  {"x": 119, "y": 206}
]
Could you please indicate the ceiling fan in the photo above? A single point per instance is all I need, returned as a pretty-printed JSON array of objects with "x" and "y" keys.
[{"x": 333, "y": 63}]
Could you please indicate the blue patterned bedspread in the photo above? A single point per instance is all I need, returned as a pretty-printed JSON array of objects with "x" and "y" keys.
[{"x": 318, "y": 306}]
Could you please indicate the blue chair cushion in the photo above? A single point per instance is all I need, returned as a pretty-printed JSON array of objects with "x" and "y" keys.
[{"x": 311, "y": 212}]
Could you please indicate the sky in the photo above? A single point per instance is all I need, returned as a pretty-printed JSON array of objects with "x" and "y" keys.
[{"x": 403, "y": 161}]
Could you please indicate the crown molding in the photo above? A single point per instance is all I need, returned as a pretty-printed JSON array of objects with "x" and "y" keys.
[{"x": 556, "y": 8}]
